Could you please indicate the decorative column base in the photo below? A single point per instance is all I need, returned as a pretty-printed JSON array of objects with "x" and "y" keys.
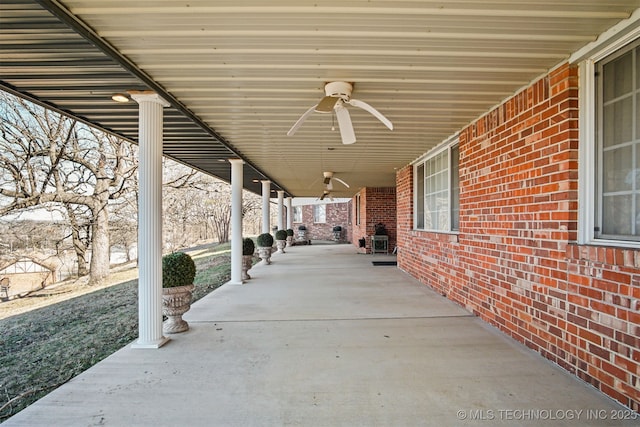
[{"x": 150, "y": 344}]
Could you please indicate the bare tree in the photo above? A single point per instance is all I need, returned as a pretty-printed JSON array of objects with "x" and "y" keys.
[
  {"x": 198, "y": 206},
  {"x": 215, "y": 208},
  {"x": 46, "y": 159},
  {"x": 251, "y": 213},
  {"x": 79, "y": 219},
  {"x": 179, "y": 196},
  {"x": 124, "y": 224}
]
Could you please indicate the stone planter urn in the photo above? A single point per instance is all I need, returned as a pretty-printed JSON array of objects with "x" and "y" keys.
[
  {"x": 247, "y": 263},
  {"x": 178, "y": 272},
  {"x": 264, "y": 252},
  {"x": 265, "y": 242},
  {"x": 281, "y": 240},
  {"x": 176, "y": 301},
  {"x": 280, "y": 245},
  {"x": 248, "y": 248}
]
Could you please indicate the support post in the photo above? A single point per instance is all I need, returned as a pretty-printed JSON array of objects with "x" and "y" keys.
[
  {"x": 236, "y": 221},
  {"x": 150, "y": 220},
  {"x": 280, "y": 210},
  {"x": 289, "y": 213},
  {"x": 266, "y": 213}
]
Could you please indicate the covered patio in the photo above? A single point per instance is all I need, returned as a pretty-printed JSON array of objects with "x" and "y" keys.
[
  {"x": 491, "y": 180},
  {"x": 321, "y": 337}
]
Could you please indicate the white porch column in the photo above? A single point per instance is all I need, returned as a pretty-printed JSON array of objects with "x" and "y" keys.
[
  {"x": 280, "y": 210},
  {"x": 150, "y": 220},
  {"x": 236, "y": 221},
  {"x": 266, "y": 213},
  {"x": 289, "y": 213}
]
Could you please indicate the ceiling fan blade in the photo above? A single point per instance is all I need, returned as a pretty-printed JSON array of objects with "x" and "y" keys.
[
  {"x": 315, "y": 181},
  {"x": 326, "y": 104},
  {"x": 341, "y": 181},
  {"x": 345, "y": 125},
  {"x": 301, "y": 120},
  {"x": 370, "y": 109},
  {"x": 323, "y": 196}
]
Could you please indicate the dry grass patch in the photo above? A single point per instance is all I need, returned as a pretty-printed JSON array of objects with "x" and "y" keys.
[{"x": 42, "y": 348}]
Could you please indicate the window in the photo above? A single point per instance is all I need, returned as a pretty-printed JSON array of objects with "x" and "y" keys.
[
  {"x": 320, "y": 213},
  {"x": 297, "y": 214},
  {"x": 455, "y": 187},
  {"x": 437, "y": 191},
  {"x": 616, "y": 146},
  {"x": 358, "y": 209}
]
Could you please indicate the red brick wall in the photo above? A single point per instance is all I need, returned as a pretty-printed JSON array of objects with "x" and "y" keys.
[
  {"x": 337, "y": 214},
  {"x": 513, "y": 262},
  {"x": 358, "y": 231},
  {"x": 377, "y": 205}
]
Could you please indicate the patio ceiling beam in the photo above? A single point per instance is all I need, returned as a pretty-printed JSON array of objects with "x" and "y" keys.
[
  {"x": 238, "y": 79},
  {"x": 534, "y": 11},
  {"x": 350, "y": 53},
  {"x": 351, "y": 35},
  {"x": 372, "y": 67}
]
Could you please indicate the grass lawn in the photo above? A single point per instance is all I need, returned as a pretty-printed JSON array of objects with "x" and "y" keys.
[{"x": 43, "y": 348}]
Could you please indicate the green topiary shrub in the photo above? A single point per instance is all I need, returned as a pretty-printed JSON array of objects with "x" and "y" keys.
[
  {"x": 265, "y": 240},
  {"x": 281, "y": 235},
  {"x": 337, "y": 228},
  {"x": 178, "y": 269},
  {"x": 289, "y": 232},
  {"x": 302, "y": 227},
  {"x": 248, "y": 247}
]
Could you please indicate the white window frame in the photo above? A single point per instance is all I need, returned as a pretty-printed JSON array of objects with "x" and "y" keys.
[
  {"x": 587, "y": 152},
  {"x": 297, "y": 214},
  {"x": 448, "y": 145},
  {"x": 316, "y": 216}
]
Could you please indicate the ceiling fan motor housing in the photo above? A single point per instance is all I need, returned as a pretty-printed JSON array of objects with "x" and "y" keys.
[{"x": 340, "y": 90}]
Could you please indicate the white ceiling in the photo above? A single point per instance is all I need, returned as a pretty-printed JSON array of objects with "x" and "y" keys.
[{"x": 249, "y": 69}]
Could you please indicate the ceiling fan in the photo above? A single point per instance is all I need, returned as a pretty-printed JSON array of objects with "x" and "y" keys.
[
  {"x": 337, "y": 96},
  {"x": 326, "y": 193},
  {"x": 328, "y": 180},
  {"x": 328, "y": 184}
]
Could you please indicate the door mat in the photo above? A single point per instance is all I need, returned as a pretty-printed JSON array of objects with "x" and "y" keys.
[{"x": 378, "y": 263}]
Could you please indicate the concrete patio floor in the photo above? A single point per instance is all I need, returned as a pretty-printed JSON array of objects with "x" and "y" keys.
[{"x": 323, "y": 338}]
